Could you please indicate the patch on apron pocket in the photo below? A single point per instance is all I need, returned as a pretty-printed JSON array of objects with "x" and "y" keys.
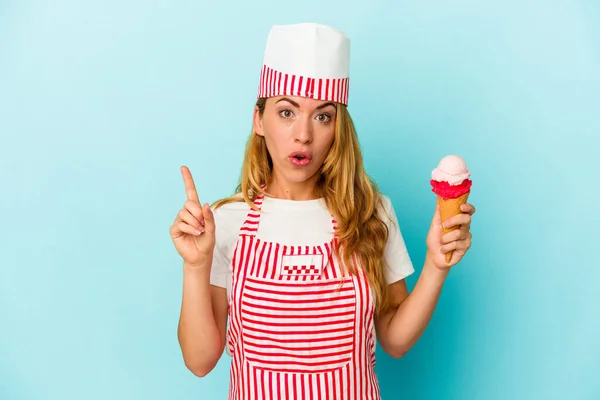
[{"x": 301, "y": 265}]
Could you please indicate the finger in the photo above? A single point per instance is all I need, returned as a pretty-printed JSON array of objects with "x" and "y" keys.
[
  {"x": 181, "y": 228},
  {"x": 459, "y": 219},
  {"x": 190, "y": 187},
  {"x": 457, "y": 256},
  {"x": 460, "y": 246},
  {"x": 455, "y": 235},
  {"x": 189, "y": 219},
  {"x": 448, "y": 247},
  {"x": 466, "y": 233},
  {"x": 467, "y": 208},
  {"x": 195, "y": 209},
  {"x": 437, "y": 219},
  {"x": 209, "y": 218}
]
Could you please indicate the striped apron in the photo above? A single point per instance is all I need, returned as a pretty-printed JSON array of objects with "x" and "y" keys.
[{"x": 298, "y": 329}]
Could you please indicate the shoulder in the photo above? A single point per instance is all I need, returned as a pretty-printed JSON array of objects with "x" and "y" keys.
[
  {"x": 237, "y": 203},
  {"x": 386, "y": 209},
  {"x": 398, "y": 264},
  {"x": 231, "y": 213},
  {"x": 229, "y": 218},
  {"x": 386, "y": 202}
]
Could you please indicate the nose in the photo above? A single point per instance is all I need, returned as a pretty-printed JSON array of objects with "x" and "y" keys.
[{"x": 304, "y": 131}]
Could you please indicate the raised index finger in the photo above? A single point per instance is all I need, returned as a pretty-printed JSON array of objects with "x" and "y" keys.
[{"x": 190, "y": 187}]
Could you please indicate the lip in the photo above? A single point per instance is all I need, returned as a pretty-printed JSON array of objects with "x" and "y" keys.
[
  {"x": 302, "y": 161},
  {"x": 304, "y": 154}
]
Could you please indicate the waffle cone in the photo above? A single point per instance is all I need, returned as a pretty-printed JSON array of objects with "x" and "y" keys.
[{"x": 448, "y": 209}]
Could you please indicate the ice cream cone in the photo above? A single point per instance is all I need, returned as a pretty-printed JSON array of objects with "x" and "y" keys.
[
  {"x": 448, "y": 209},
  {"x": 450, "y": 181}
]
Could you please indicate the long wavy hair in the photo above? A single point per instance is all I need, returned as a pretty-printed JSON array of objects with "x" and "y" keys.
[{"x": 349, "y": 194}]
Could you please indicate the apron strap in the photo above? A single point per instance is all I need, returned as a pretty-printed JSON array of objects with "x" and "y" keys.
[{"x": 250, "y": 226}]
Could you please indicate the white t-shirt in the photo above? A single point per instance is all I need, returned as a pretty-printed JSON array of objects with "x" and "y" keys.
[{"x": 302, "y": 223}]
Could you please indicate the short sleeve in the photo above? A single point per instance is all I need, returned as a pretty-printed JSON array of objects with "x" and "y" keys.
[
  {"x": 220, "y": 264},
  {"x": 219, "y": 269},
  {"x": 397, "y": 263}
]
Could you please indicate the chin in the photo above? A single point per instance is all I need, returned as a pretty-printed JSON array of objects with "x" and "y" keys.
[{"x": 299, "y": 176}]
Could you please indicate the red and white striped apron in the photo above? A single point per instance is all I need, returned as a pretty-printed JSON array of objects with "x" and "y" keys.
[{"x": 298, "y": 329}]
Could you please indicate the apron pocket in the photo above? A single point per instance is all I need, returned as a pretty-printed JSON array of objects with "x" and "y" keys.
[{"x": 298, "y": 326}]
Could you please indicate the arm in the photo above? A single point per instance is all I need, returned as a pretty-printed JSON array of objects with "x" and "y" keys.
[
  {"x": 402, "y": 325},
  {"x": 399, "y": 328},
  {"x": 203, "y": 320},
  {"x": 203, "y": 317}
]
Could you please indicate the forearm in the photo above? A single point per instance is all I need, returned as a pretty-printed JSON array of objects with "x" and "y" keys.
[
  {"x": 197, "y": 331},
  {"x": 410, "y": 319}
]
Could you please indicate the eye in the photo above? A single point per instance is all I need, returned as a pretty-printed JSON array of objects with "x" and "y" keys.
[
  {"x": 286, "y": 113},
  {"x": 324, "y": 118}
]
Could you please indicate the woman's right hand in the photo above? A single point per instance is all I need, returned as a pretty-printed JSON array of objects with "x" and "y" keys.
[{"x": 193, "y": 231}]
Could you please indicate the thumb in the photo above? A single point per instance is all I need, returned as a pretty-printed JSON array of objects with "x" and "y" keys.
[
  {"x": 209, "y": 218},
  {"x": 437, "y": 219}
]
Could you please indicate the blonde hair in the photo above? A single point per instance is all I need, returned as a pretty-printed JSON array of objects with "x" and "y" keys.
[{"x": 349, "y": 194}]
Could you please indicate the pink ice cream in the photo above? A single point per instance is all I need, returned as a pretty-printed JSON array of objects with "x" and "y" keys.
[
  {"x": 451, "y": 178},
  {"x": 451, "y": 169}
]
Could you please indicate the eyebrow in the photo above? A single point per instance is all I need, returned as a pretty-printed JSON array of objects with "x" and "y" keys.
[{"x": 292, "y": 102}]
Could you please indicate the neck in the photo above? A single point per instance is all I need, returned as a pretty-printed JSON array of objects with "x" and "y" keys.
[{"x": 282, "y": 189}]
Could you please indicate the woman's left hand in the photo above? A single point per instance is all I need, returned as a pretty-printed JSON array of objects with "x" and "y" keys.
[{"x": 457, "y": 241}]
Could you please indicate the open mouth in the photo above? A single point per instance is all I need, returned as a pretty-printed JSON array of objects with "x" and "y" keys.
[{"x": 300, "y": 158}]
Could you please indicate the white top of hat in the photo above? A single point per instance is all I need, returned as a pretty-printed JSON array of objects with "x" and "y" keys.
[{"x": 308, "y": 49}]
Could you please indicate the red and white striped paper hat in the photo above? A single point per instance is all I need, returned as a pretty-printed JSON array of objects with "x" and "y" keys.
[{"x": 308, "y": 60}]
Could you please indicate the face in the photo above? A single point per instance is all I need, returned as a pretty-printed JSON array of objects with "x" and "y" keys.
[{"x": 298, "y": 132}]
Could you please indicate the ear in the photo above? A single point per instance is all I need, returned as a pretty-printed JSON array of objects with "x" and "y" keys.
[{"x": 258, "y": 123}]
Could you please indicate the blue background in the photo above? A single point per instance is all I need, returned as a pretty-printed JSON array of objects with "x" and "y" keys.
[{"x": 102, "y": 101}]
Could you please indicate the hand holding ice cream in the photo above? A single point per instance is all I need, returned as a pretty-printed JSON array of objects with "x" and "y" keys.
[{"x": 450, "y": 181}]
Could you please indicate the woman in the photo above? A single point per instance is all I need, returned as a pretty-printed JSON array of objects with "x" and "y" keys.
[{"x": 299, "y": 272}]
